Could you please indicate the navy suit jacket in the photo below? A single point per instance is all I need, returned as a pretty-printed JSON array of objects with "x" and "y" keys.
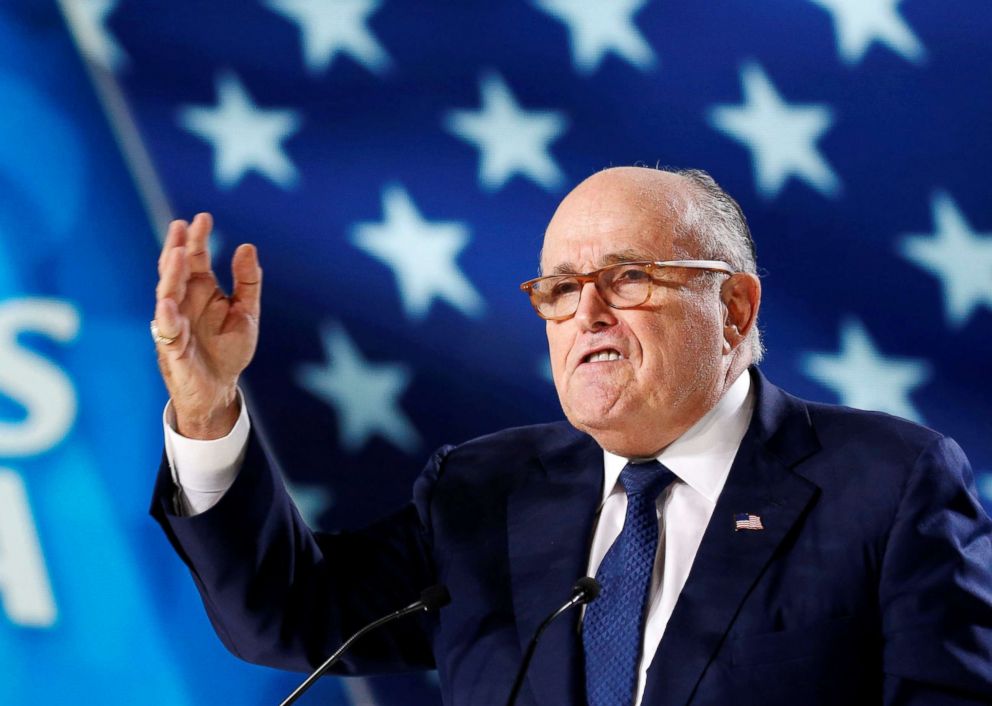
[{"x": 871, "y": 582}]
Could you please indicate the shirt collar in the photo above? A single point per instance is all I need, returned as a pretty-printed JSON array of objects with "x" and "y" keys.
[{"x": 703, "y": 455}]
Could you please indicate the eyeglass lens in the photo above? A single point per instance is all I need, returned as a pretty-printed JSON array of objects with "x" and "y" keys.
[{"x": 621, "y": 286}]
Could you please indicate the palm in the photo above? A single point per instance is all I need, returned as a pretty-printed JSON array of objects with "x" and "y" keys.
[{"x": 223, "y": 344}]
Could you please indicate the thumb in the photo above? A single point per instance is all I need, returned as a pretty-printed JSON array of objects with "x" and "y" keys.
[{"x": 247, "y": 275}]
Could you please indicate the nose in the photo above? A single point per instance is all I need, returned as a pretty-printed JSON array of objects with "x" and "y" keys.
[{"x": 593, "y": 313}]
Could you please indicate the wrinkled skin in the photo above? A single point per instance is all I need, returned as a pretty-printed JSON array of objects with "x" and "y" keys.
[{"x": 679, "y": 351}]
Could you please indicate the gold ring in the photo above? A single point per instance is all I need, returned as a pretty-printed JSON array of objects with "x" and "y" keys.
[{"x": 159, "y": 338}]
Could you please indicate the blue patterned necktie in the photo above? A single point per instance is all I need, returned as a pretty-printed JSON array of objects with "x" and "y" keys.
[{"x": 614, "y": 623}]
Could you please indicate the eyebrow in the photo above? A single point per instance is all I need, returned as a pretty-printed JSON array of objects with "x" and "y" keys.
[{"x": 629, "y": 255}]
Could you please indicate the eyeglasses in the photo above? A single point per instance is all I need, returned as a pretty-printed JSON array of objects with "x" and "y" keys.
[{"x": 622, "y": 286}]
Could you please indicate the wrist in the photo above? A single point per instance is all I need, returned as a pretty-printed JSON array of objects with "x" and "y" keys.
[{"x": 214, "y": 424}]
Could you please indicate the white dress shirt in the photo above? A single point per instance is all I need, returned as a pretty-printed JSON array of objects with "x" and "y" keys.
[{"x": 700, "y": 458}]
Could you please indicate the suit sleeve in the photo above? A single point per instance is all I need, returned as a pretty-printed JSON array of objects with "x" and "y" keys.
[
  {"x": 936, "y": 587},
  {"x": 281, "y": 595}
]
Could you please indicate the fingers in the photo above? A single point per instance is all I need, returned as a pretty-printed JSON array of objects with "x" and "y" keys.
[
  {"x": 175, "y": 275},
  {"x": 198, "y": 234},
  {"x": 174, "y": 237},
  {"x": 247, "y": 276}
]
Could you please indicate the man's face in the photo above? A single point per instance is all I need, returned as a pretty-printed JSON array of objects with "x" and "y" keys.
[{"x": 672, "y": 364}]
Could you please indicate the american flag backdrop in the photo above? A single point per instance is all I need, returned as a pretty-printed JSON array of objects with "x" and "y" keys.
[{"x": 396, "y": 163}]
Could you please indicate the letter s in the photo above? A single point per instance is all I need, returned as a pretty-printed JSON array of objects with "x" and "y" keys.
[{"x": 32, "y": 381}]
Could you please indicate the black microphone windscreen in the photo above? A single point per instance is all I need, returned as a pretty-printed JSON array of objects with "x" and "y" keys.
[
  {"x": 587, "y": 588},
  {"x": 435, "y": 597}
]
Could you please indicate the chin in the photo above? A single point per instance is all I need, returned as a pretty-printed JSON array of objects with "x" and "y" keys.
[
  {"x": 618, "y": 427},
  {"x": 620, "y": 442},
  {"x": 602, "y": 420}
]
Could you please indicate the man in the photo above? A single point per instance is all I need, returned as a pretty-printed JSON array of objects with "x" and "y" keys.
[{"x": 753, "y": 547}]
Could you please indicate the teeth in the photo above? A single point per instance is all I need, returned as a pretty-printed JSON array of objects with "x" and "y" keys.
[{"x": 604, "y": 355}]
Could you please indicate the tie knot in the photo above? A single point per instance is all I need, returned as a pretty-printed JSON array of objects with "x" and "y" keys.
[{"x": 647, "y": 479}]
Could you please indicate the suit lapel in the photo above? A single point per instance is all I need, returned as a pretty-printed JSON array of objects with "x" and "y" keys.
[
  {"x": 729, "y": 562},
  {"x": 549, "y": 526}
]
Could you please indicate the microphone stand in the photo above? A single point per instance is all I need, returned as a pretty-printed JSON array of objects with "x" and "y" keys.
[
  {"x": 585, "y": 591},
  {"x": 432, "y": 598}
]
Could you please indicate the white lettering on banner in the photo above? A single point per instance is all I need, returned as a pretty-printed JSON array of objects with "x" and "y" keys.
[
  {"x": 24, "y": 586},
  {"x": 32, "y": 381}
]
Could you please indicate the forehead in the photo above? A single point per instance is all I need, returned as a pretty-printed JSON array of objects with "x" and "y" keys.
[{"x": 607, "y": 219}]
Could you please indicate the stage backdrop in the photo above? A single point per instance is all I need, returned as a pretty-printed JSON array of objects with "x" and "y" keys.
[{"x": 396, "y": 163}]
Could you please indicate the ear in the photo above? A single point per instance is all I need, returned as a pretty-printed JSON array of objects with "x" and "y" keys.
[{"x": 741, "y": 296}]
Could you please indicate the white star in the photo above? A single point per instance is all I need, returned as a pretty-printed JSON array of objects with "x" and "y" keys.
[
  {"x": 960, "y": 257},
  {"x": 88, "y": 20},
  {"x": 598, "y": 27},
  {"x": 365, "y": 396},
  {"x": 330, "y": 28},
  {"x": 510, "y": 140},
  {"x": 858, "y": 23},
  {"x": 864, "y": 378},
  {"x": 243, "y": 135},
  {"x": 782, "y": 137},
  {"x": 311, "y": 500},
  {"x": 421, "y": 253}
]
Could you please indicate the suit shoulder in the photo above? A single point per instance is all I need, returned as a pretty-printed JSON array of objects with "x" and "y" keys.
[
  {"x": 837, "y": 425},
  {"x": 512, "y": 444},
  {"x": 494, "y": 461},
  {"x": 874, "y": 456}
]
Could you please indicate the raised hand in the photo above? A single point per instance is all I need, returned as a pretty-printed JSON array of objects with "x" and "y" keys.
[{"x": 206, "y": 338}]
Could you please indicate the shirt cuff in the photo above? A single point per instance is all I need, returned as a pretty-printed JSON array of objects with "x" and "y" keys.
[{"x": 203, "y": 470}]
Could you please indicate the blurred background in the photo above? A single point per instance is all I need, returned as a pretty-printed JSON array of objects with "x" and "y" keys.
[{"x": 396, "y": 164}]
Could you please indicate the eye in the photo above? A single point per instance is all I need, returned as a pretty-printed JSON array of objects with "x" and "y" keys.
[
  {"x": 563, "y": 287},
  {"x": 632, "y": 274},
  {"x": 627, "y": 277}
]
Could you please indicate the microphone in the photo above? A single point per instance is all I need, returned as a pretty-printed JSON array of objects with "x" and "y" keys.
[
  {"x": 585, "y": 591},
  {"x": 431, "y": 599}
]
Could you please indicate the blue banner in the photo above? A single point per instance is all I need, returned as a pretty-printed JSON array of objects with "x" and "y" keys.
[{"x": 395, "y": 163}]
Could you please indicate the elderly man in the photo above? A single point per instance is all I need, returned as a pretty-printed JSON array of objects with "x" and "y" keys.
[{"x": 752, "y": 547}]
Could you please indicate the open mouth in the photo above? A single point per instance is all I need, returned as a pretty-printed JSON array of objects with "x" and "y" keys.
[{"x": 602, "y": 356}]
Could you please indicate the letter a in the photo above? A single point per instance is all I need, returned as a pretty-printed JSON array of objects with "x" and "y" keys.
[{"x": 25, "y": 591}]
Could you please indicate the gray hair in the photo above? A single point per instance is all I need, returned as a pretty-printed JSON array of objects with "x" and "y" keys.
[{"x": 710, "y": 217}]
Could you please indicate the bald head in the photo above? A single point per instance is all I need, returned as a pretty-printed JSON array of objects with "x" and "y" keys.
[
  {"x": 651, "y": 187},
  {"x": 610, "y": 199}
]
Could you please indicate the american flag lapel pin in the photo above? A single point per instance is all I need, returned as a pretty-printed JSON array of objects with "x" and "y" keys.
[{"x": 747, "y": 521}]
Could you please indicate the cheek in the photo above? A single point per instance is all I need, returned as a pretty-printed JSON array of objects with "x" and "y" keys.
[{"x": 679, "y": 351}]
